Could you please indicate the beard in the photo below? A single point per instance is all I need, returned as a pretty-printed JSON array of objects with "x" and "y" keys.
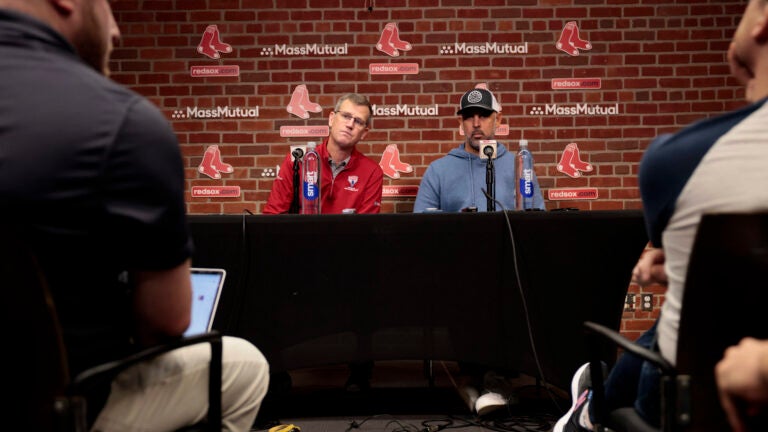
[
  {"x": 473, "y": 143},
  {"x": 92, "y": 41}
]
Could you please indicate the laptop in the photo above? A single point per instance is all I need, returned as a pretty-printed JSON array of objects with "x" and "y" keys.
[{"x": 206, "y": 289}]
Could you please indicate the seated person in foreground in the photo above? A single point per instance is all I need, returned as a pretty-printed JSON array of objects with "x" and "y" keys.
[
  {"x": 94, "y": 174},
  {"x": 681, "y": 178}
]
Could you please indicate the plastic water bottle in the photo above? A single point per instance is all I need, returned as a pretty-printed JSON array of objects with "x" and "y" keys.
[
  {"x": 310, "y": 190},
  {"x": 524, "y": 176}
]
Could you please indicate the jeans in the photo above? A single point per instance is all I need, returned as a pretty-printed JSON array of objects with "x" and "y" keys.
[{"x": 636, "y": 383}]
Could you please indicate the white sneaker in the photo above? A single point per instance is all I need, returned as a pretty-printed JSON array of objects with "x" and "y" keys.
[
  {"x": 580, "y": 394},
  {"x": 489, "y": 402}
]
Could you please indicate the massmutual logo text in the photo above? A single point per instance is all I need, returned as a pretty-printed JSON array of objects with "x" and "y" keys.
[
  {"x": 486, "y": 48},
  {"x": 574, "y": 110},
  {"x": 305, "y": 50},
  {"x": 404, "y": 110},
  {"x": 215, "y": 113}
]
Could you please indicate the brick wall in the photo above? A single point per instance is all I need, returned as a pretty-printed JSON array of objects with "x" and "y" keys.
[{"x": 660, "y": 65}]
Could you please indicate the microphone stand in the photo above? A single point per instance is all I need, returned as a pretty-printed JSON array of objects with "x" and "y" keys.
[
  {"x": 489, "y": 184},
  {"x": 294, "y": 209}
]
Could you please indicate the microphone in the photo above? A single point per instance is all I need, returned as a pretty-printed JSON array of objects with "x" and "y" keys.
[
  {"x": 488, "y": 152},
  {"x": 493, "y": 199},
  {"x": 297, "y": 153},
  {"x": 487, "y": 149}
]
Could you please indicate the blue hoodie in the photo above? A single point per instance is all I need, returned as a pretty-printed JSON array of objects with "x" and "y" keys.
[{"x": 456, "y": 180}]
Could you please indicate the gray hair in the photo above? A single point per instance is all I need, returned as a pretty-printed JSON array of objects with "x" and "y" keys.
[{"x": 356, "y": 99}]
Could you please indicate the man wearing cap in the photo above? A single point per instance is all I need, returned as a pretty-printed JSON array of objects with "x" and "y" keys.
[{"x": 456, "y": 181}]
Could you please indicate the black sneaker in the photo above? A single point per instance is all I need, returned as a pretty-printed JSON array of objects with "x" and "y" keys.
[{"x": 580, "y": 393}]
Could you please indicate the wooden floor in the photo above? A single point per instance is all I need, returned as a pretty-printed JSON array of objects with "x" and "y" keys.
[{"x": 402, "y": 399}]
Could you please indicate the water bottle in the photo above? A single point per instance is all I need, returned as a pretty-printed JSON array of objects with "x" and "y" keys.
[
  {"x": 524, "y": 176},
  {"x": 310, "y": 190}
]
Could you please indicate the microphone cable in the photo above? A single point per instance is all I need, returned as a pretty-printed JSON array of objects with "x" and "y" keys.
[{"x": 526, "y": 313}]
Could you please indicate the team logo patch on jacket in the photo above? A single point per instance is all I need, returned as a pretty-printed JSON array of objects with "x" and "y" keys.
[{"x": 352, "y": 182}]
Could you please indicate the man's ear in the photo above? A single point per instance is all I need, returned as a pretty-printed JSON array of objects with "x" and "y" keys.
[
  {"x": 760, "y": 29},
  {"x": 498, "y": 119},
  {"x": 65, "y": 7}
]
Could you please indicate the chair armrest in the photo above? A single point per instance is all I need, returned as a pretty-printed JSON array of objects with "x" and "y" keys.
[
  {"x": 108, "y": 370},
  {"x": 619, "y": 419},
  {"x": 631, "y": 347},
  {"x": 101, "y": 373}
]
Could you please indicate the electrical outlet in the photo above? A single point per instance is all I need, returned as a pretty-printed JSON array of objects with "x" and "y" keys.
[
  {"x": 629, "y": 303},
  {"x": 646, "y": 304}
]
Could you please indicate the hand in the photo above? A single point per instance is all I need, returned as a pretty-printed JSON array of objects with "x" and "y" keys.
[
  {"x": 742, "y": 381},
  {"x": 650, "y": 268}
]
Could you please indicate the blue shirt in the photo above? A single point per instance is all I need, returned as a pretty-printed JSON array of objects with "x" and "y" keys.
[{"x": 457, "y": 180}]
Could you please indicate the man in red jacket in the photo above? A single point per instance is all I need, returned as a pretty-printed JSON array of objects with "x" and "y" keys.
[{"x": 348, "y": 179}]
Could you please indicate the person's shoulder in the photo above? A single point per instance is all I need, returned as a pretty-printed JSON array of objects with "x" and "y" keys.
[
  {"x": 455, "y": 155},
  {"x": 126, "y": 98},
  {"x": 709, "y": 129},
  {"x": 364, "y": 160},
  {"x": 112, "y": 102}
]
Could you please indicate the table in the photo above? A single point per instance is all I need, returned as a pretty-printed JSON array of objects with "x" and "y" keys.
[{"x": 312, "y": 290}]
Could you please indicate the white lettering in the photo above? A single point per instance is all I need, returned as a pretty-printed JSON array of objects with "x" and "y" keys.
[
  {"x": 384, "y": 68},
  {"x": 490, "y": 48},
  {"x": 311, "y": 49},
  {"x": 581, "y": 109},
  {"x": 222, "y": 112},
  {"x": 404, "y": 110}
]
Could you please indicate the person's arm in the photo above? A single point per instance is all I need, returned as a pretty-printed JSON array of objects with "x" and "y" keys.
[
  {"x": 372, "y": 193},
  {"x": 538, "y": 198},
  {"x": 281, "y": 195},
  {"x": 162, "y": 304},
  {"x": 742, "y": 381},
  {"x": 427, "y": 196},
  {"x": 650, "y": 268},
  {"x": 143, "y": 189}
]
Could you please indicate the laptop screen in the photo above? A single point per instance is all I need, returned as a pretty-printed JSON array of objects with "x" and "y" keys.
[{"x": 206, "y": 289}]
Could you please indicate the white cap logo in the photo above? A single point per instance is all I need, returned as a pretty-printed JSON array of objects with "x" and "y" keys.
[{"x": 474, "y": 97}]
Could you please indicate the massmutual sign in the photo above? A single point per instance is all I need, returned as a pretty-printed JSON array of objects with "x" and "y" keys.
[
  {"x": 216, "y": 113},
  {"x": 305, "y": 50},
  {"x": 404, "y": 110},
  {"x": 486, "y": 48},
  {"x": 574, "y": 110}
]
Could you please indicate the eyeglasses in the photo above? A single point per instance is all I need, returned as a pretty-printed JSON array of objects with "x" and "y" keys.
[{"x": 347, "y": 117}]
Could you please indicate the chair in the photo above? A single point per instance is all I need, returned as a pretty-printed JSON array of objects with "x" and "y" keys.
[
  {"x": 44, "y": 398},
  {"x": 724, "y": 301}
]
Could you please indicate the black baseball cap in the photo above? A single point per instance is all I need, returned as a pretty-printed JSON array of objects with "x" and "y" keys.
[{"x": 477, "y": 98}]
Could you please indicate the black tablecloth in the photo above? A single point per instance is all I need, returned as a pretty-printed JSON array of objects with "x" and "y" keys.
[{"x": 315, "y": 290}]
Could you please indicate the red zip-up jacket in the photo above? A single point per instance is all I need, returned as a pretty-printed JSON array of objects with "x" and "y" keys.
[{"x": 357, "y": 186}]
